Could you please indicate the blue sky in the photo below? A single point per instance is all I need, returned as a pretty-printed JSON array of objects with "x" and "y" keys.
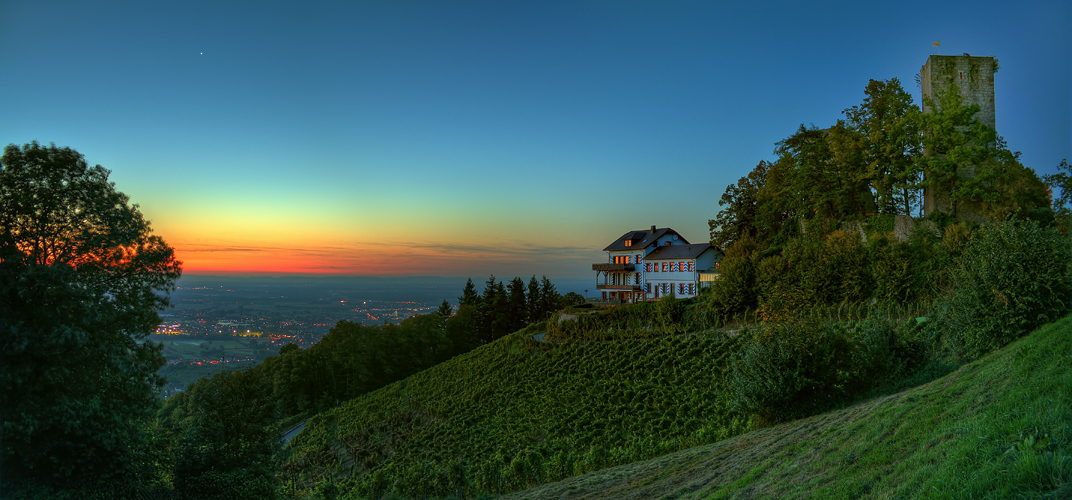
[{"x": 469, "y": 138}]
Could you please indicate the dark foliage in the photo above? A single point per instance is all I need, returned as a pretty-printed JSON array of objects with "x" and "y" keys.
[
  {"x": 1014, "y": 277},
  {"x": 82, "y": 279}
]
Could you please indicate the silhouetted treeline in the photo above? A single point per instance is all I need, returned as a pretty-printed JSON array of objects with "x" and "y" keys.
[{"x": 503, "y": 308}]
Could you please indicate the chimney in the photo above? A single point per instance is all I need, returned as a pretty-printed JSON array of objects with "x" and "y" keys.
[{"x": 652, "y": 229}]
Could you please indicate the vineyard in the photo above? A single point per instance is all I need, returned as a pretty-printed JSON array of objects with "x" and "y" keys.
[{"x": 517, "y": 412}]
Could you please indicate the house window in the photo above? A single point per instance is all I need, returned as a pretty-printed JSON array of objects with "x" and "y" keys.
[
  {"x": 692, "y": 288},
  {"x": 639, "y": 258},
  {"x": 681, "y": 289},
  {"x": 664, "y": 268},
  {"x": 628, "y": 243},
  {"x": 647, "y": 287},
  {"x": 638, "y": 278},
  {"x": 691, "y": 266}
]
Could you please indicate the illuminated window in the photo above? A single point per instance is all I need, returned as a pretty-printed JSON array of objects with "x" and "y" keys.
[{"x": 664, "y": 267}]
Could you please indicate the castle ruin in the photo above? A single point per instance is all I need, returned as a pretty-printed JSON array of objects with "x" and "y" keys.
[{"x": 974, "y": 78}]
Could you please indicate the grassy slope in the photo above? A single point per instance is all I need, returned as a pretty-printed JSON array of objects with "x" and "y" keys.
[
  {"x": 632, "y": 398},
  {"x": 1000, "y": 427}
]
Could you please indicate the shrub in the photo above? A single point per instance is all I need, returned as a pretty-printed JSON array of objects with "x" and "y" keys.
[
  {"x": 794, "y": 370},
  {"x": 669, "y": 313},
  {"x": 789, "y": 371},
  {"x": 892, "y": 269},
  {"x": 1014, "y": 277}
]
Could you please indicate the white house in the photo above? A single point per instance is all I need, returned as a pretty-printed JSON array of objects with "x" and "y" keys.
[
  {"x": 629, "y": 276},
  {"x": 676, "y": 269}
]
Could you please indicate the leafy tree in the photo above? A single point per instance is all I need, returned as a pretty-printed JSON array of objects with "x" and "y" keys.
[
  {"x": 572, "y": 299},
  {"x": 1012, "y": 188},
  {"x": 735, "y": 291},
  {"x": 226, "y": 437},
  {"x": 826, "y": 176},
  {"x": 739, "y": 218},
  {"x": 887, "y": 124},
  {"x": 82, "y": 278},
  {"x": 1062, "y": 180},
  {"x": 461, "y": 329}
]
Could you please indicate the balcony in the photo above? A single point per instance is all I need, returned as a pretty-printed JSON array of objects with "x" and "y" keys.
[
  {"x": 613, "y": 267},
  {"x": 635, "y": 288}
]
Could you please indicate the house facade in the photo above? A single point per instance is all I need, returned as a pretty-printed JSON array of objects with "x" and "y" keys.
[
  {"x": 677, "y": 269},
  {"x": 648, "y": 264}
]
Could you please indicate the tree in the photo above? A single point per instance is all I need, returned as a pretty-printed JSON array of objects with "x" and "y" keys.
[
  {"x": 549, "y": 297},
  {"x": 1062, "y": 205},
  {"x": 226, "y": 437},
  {"x": 82, "y": 278},
  {"x": 517, "y": 312},
  {"x": 445, "y": 310},
  {"x": 825, "y": 173},
  {"x": 469, "y": 296},
  {"x": 533, "y": 300},
  {"x": 887, "y": 122},
  {"x": 739, "y": 218}
]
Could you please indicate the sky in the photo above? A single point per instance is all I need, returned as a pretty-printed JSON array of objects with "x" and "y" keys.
[{"x": 475, "y": 138}]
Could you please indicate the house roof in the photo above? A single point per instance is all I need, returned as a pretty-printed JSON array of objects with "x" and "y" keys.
[
  {"x": 678, "y": 252},
  {"x": 641, "y": 238}
]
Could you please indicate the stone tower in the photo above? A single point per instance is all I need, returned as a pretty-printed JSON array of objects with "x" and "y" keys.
[{"x": 974, "y": 78}]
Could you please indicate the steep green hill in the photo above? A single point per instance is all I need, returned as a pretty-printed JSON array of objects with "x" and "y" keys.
[
  {"x": 519, "y": 412},
  {"x": 1000, "y": 427}
]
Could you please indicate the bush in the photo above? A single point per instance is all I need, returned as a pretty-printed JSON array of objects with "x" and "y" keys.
[
  {"x": 669, "y": 313},
  {"x": 789, "y": 371},
  {"x": 792, "y": 371},
  {"x": 1014, "y": 277}
]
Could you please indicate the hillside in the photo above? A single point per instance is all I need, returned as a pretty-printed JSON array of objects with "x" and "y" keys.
[
  {"x": 519, "y": 412},
  {"x": 999, "y": 427}
]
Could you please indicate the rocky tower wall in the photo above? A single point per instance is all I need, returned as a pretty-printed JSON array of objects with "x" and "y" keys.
[{"x": 974, "y": 77}]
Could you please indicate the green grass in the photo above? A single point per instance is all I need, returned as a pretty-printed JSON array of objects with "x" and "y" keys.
[{"x": 1000, "y": 427}]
